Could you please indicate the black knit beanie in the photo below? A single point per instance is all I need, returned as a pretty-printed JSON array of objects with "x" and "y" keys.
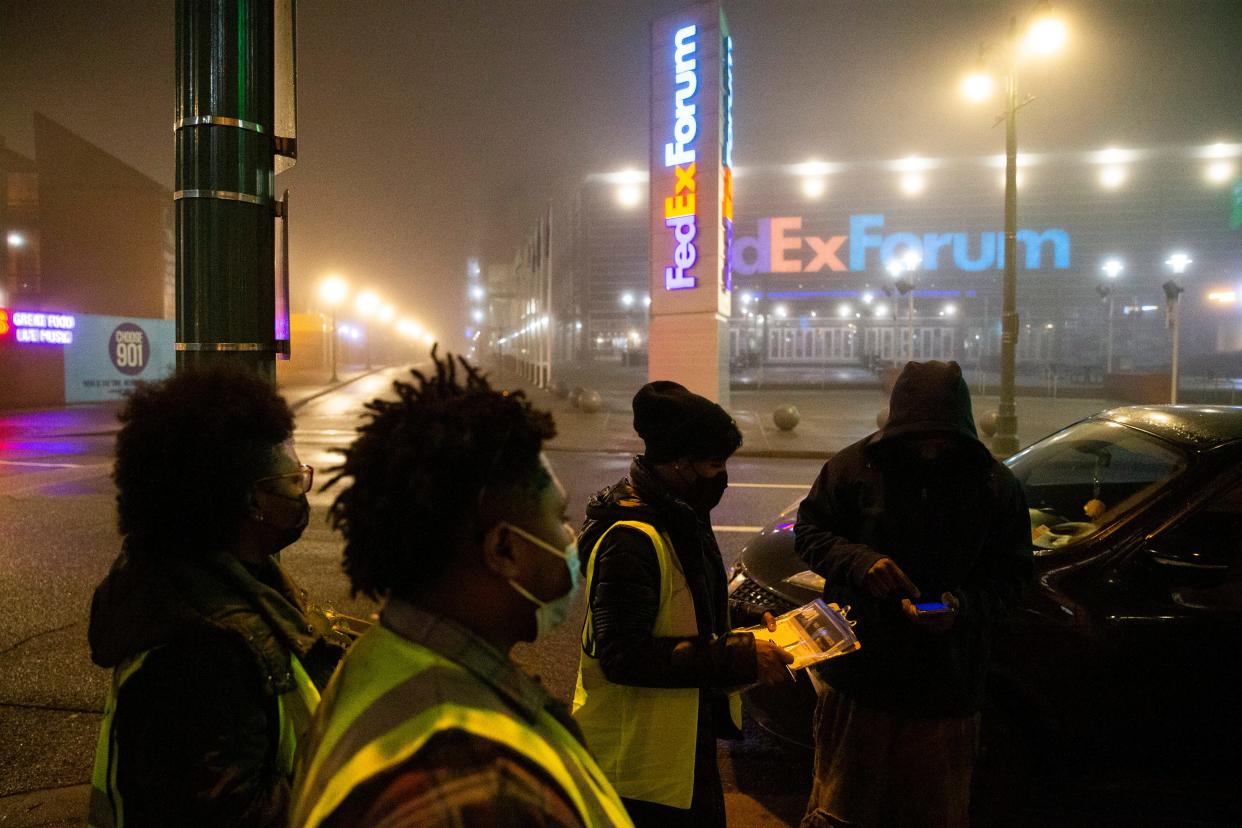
[{"x": 675, "y": 422}]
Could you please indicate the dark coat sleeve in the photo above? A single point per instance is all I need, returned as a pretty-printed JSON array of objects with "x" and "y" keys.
[
  {"x": 1006, "y": 564},
  {"x": 624, "y": 601},
  {"x": 821, "y": 533},
  {"x": 196, "y": 740}
]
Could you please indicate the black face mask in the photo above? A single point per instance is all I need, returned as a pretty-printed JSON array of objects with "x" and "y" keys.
[
  {"x": 704, "y": 493},
  {"x": 289, "y": 521}
]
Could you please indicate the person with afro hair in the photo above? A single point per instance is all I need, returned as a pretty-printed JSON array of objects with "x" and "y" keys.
[
  {"x": 454, "y": 519},
  {"x": 217, "y": 659}
]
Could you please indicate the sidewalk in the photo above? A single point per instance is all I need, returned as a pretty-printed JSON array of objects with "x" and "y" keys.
[
  {"x": 98, "y": 419},
  {"x": 831, "y": 418}
]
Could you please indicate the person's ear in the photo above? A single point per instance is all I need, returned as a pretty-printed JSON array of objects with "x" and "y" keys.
[{"x": 498, "y": 552}]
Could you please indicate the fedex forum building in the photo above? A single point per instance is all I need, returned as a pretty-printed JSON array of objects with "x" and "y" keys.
[{"x": 702, "y": 265}]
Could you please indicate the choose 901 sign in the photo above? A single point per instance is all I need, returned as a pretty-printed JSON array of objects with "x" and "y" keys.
[
  {"x": 130, "y": 349},
  {"x": 110, "y": 355}
]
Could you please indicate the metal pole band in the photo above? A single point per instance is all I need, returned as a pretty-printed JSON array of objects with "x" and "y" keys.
[
  {"x": 225, "y": 346},
  {"x": 218, "y": 120},
  {"x": 223, "y": 195}
]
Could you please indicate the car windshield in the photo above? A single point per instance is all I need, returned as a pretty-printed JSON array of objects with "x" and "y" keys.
[{"x": 1087, "y": 476}]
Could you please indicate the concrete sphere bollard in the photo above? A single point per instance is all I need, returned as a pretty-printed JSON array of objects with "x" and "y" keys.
[
  {"x": 881, "y": 417},
  {"x": 575, "y": 394},
  {"x": 786, "y": 417},
  {"x": 558, "y": 390},
  {"x": 987, "y": 424},
  {"x": 590, "y": 402}
]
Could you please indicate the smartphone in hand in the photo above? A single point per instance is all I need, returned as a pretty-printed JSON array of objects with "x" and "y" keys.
[{"x": 933, "y": 608}]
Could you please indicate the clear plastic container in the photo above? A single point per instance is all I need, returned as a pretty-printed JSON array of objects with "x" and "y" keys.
[{"x": 811, "y": 633}]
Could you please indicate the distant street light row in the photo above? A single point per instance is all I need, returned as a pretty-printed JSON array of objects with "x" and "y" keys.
[{"x": 369, "y": 305}]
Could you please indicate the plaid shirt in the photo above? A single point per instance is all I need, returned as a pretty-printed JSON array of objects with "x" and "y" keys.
[{"x": 458, "y": 779}]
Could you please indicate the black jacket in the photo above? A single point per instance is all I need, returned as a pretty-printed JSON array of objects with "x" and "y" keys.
[
  {"x": 625, "y": 593},
  {"x": 955, "y": 524},
  {"x": 198, "y": 726}
]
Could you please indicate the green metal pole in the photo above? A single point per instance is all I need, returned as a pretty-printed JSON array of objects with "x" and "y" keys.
[
  {"x": 1005, "y": 441},
  {"x": 225, "y": 261}
]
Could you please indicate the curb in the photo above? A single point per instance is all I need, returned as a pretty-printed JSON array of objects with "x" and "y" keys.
[
  {"x": 770, "y": 454},
  {"x": 46, "y": 807},
  {"x": 294, "y": 406}
]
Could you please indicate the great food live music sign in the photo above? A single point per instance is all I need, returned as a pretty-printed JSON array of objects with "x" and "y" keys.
[
  {"x": 691, "y": 189},
  {"x": 37, "y": 327}
]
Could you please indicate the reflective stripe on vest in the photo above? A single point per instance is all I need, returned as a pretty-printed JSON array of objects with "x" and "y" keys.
[
  {"x": 294, "y": 709},
  {"x": 644, "y": 737},
  {"x": 390, "y": 696}
]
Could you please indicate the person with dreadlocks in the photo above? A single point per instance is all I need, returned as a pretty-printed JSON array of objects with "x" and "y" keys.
[{"x": 454, "y": 519}]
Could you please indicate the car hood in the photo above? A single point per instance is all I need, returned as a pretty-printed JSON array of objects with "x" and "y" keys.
[{"x": 769, "y": 560}]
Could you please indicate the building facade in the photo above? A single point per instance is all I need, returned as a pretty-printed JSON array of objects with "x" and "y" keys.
[
  {"x": 874, "y": 262},
  {"x": 85, "y": 234}
]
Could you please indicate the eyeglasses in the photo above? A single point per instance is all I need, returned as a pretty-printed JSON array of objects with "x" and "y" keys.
[{"x": 304, "y": 472}]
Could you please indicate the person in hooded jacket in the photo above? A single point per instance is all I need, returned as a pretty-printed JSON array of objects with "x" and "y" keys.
[
  {"x": 217, "y": 657},
  {"x": 658, "y": 660},
  {"x": 918, "y": 510}
]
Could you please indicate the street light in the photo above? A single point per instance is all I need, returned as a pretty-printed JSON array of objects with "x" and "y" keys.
[
  {"x": 368, "y": 305},
  {"x": 1045, "y": 35},
  {"x": 1177, "y": 262},
  {"x": 629, "y": 195},
  {"x": 1112, "y": 269},
  {"x": 332, "y": 291},
  {"x": 897, "y": 268}
]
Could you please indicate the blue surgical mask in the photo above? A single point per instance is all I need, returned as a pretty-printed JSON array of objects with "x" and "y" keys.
[{"x": 551, "y": 614}]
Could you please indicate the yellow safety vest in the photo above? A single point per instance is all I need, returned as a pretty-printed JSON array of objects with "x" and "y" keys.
[
  {"x": 644, "y": 737},
  {"x": 390, "y": 696},
  {"x": 295, "y": 708}
]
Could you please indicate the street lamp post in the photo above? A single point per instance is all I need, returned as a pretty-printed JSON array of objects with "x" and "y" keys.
[
  {"x": 1178, "y": 263},
  {"x": 1005, "y": 441},
  {"x": 1112, "y": 269},
  {"x": 368, "y": 305},
  {"x": 1045, "y": 35},
  {"x": 905, "y": 286},
  {"x": 332, "y": 291}
]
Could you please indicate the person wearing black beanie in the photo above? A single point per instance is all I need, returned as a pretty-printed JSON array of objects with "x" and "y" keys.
[{"x": 658, "y": 659}]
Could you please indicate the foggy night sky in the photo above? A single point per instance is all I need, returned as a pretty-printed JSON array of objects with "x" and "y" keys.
[{"x": 432, "y": 131}]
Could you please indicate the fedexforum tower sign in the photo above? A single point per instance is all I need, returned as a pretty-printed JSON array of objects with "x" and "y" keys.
[{"x": 691, "y": 199}]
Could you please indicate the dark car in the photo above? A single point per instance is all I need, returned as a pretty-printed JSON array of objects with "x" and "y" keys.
[{"x": 1124, "y": 656}]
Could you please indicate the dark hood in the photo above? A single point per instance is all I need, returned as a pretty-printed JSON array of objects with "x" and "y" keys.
[
  {"x": 929, "y": 398},
  {"x": 146, "y": 604}
]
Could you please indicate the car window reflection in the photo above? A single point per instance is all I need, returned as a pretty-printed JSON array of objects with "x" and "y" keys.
[{"x": 1087, "y": 476}]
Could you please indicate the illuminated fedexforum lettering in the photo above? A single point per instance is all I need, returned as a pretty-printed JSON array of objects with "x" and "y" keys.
[
  {"x": 680, "y": 209},
  {"x": 779, "y": 246},
  {"x": 37, "y": 327},
  {"x": 726, "y": 159}
]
